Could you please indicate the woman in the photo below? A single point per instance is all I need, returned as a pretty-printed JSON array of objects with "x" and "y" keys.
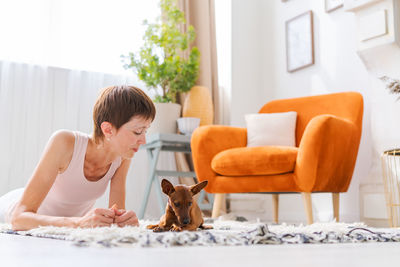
[{"x": 75, "y": 168}]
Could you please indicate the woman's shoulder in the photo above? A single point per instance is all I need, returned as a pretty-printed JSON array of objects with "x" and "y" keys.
[
  {"x": 62, "y": 145},
  {"x": 63, "y": 135},
  {"x": 63, "y": 140}
]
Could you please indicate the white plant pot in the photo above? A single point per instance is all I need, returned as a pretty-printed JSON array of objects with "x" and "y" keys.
[
  {"x": 165, "y": 120},
  {"x": 187, "y": 125}
]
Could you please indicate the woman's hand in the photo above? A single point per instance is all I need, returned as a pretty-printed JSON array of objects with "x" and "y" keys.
[
  {"x": 125, "y": 217},
  {"x": 97, "y": 218}
]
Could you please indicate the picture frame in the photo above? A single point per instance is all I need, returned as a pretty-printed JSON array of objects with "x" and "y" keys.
[
  {"x": 331, "y": 5},
  {"x": 299, "y": 42},
  {"x": 354, "y": 5}
]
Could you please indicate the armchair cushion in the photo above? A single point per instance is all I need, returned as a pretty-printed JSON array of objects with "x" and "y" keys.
[
  {"x": 245, "y": 161},
  {"x": 271, "y": 129}
]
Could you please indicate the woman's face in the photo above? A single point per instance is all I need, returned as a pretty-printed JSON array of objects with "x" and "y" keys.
[{"x": 130, "y": 136}]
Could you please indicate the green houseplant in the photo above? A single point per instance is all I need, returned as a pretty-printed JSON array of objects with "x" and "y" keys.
[{"x": 166, "y": 63}]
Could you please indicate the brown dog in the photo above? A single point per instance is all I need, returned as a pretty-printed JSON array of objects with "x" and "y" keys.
[{"x": 182, "y": 211}]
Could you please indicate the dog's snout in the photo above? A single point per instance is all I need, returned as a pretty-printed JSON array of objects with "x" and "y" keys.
[{"x": 186, "y": 221}]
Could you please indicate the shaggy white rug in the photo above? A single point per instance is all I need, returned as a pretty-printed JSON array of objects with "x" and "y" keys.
[{"x": 225, "y": 233}]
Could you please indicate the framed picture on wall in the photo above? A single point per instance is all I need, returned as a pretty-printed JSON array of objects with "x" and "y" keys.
[
  {"x": 331, "y": 5},
  {"x": 299, "y": 42},
  {"x": 352, "y": 5}
]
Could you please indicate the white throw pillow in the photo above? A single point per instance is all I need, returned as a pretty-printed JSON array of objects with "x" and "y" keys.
[{"x": 276, "y": 129}]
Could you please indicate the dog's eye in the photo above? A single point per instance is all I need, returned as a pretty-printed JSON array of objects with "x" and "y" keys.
[
  {"x": 177, "y": 204},
  {"x": 189, "y": 204}
]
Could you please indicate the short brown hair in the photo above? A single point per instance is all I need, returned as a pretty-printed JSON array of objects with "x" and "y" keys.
[{"x": 118, "y": 104}]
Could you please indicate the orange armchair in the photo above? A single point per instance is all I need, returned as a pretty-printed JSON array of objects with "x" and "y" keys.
[{"x": 328, "y": 133}]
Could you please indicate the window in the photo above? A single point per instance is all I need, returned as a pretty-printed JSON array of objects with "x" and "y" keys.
[{"x": 75, "y": 34}]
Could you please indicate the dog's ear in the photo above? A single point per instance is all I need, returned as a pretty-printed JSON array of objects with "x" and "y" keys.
[
  {"x": 167, "y": 187},
  {"x": 198, "y": 187}
]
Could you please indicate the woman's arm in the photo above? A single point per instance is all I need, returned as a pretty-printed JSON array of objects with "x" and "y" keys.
[
  {"x": 55, "y": 159},
  {"x": 117, "y": 196},
  {"x": 57, "y": 151},
  {"x": 117, "y": 185}
]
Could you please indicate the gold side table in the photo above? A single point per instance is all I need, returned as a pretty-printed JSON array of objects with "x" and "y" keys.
[{"x": 391, "y": 179}]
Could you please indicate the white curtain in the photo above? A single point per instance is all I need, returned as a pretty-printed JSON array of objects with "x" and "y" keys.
[{"x": 35, "y": 101}]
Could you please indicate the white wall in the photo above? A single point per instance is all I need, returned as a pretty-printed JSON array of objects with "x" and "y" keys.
[
  {"x": 259, "y": 75},
  {"x": 248, "y": 92}
]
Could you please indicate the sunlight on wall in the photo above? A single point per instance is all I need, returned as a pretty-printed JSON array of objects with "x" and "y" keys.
[
  {"x": 318, "y": 85},
  {"x": 75, "y": 34},
  {"x": 223, "y": 29},
  {"x": 223, "y": 21}
]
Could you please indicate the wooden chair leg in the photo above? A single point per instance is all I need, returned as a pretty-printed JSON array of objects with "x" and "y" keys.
[
  {"x": 275, "y": 200},
  {"x": 219, "y": 200},
  {"x": 308, "y": 206},
  {"x": 335, "y": 202}
]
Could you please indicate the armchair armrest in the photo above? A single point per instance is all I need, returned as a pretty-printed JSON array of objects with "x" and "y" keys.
[
  {"x": 327, "y": 154},
  {"x": 209, "y": 140}
]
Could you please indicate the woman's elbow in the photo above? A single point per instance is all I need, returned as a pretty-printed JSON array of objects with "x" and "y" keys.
[
  {"x": 18, "y": 222},
  {"x": 15, "y": 226}
]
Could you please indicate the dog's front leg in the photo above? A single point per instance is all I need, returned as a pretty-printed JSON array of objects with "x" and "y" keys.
[
  {"x": 206, "y": 227},
  {"x": 190, "y": 227},
  {"x": 176, "y": 228},
  {"x": 159, "y": 228},
  {"x": 162, "y": 226}
]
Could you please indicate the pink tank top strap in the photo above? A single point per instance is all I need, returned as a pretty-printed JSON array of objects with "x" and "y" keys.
[{"x": 78, "y": 156}]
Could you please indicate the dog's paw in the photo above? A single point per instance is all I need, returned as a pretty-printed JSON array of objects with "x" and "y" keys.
[
  {"x": 206, "y": 227},
  {"x": 158, "y": 229},
  {"x": 151, "y": 226},
  {"x": 176, "y": 229}
]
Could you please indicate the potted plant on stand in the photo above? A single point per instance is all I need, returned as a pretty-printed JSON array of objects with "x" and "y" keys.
[{"x": 166, "y": 63}]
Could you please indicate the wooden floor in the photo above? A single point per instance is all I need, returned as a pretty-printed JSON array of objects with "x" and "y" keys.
[{"x": 33, "y": 251}]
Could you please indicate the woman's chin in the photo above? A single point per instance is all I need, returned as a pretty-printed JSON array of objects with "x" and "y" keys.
[{"x": 129, "y": 154}]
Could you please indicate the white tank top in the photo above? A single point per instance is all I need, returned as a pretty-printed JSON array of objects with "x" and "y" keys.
[{"x": 72, "y": 195}]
